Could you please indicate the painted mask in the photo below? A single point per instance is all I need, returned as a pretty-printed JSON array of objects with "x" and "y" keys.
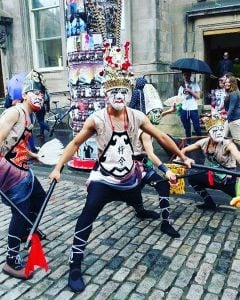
[
  {"x": 118, "y": 98},
  {"x": 217, "y": 133},
  {"x": 36, "y": 99},
  {"x": 155, "y": 116}
]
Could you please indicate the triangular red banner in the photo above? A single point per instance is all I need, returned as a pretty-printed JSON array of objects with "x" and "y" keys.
[{"x": 36, "y": 256}]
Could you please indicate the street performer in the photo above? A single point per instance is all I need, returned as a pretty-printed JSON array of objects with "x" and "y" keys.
[
  {"x": 150, "y": 103},
  {"x": 17, "y": 181},
  {"x": 220, "y": 153},
  {"x": 116, "y": 176}
]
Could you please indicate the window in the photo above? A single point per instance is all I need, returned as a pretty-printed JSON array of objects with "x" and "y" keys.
[{"x": 46, "y": 27}]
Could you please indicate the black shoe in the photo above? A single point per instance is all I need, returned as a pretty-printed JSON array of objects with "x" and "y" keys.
[
  {"x": 207, "y": 206},
  {"x": 169, "y": 230},
  {"x": 147, "y": 214},
  {"x": 14, "y": 267},
  {"x": 75, "y": 280}
]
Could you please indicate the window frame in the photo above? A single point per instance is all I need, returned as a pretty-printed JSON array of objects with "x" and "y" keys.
[{"x": 34, "y": 39}]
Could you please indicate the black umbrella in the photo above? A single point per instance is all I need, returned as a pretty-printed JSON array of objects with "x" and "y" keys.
[{"x": 191, "y": 64}]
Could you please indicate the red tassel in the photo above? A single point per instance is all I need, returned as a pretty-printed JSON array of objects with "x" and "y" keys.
[
  {"x": 36, "y": 256},
  {"x": 210, "y": 178}
]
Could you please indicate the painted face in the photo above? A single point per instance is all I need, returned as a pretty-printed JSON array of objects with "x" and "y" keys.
[
  {"x": 36, "y": 99},
  {"x": 155, "y": 116},
  {"x": 217, "y": 133},
  {"x": 118, "y": 98}
]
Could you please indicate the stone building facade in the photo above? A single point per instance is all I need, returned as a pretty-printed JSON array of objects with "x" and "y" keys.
[{"x": 160, "y": 31}]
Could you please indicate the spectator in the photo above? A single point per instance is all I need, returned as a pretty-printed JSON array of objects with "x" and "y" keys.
[
  {"x": 236, "y": 67},
  {"x": 189, "y": 111},
  {"x": 40, "y": 115},
  {"x": 225, "y": 65},
  {"x": 233, "y": 115},
  {"x": 88, "y": 150},
  {"x": 217, "y": 97}
]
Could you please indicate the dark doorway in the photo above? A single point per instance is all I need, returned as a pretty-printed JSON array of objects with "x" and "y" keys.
[{"x": 215, "y": 46}]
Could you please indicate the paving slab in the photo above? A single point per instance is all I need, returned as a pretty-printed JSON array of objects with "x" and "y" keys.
[{"x": 127, "y": 258}]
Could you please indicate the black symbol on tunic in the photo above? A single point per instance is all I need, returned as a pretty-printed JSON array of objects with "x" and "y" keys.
[
  {"x": 120, "y": 149},
  {"x": 122, "y": 160}
]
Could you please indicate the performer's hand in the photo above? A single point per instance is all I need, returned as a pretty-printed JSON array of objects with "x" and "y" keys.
[
  {"x": 171, "y": 177},
  {"x": 188, "y": 162},
  {"x": 55, "y": 174},
  {"x": 33, "y": 155}
]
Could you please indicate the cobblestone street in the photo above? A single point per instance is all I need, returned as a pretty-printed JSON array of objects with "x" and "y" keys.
[{"x": 127, "y": 258}]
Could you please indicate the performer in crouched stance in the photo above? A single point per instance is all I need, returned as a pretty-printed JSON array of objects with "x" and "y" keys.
[{"x": 116, "y": 176}]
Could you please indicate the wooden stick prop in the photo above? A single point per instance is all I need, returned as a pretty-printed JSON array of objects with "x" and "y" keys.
[
  {"x": 208, "y": 168},
  {"x": 21, "y": 213},
  {"x": 36, "y": 255},
  {"x": 153, "y": 183},
  {"x": 40, "y": 214}
]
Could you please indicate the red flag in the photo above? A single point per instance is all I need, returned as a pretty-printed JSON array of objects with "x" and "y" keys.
[{"x": 36, "y": 256}]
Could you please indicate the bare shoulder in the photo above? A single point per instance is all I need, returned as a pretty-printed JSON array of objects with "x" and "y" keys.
[{"x": 10, "y": 115}]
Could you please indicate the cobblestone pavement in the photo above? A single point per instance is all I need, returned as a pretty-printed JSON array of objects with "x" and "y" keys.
[{"x": 127, "y": 258}]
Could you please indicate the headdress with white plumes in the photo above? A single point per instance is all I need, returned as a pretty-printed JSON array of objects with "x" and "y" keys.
[
  {"x": 50, "y": 152},
  {"x": 210, "y": 122},
  {"x": 152, "y": 98},
  {"x": 34, "y": 81},
  {"x": 117, "y": 65}
]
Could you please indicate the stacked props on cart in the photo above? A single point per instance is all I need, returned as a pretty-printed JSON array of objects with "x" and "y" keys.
[
  {"x": 85, "y": 74},
  {"x": 107, "y": 12}
]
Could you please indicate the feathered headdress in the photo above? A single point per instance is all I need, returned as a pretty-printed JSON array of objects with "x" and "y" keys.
[
  {"x": 145, "y": 97},
  {"x": 34, "y": 81},
  {"x": 116, "y": 71},
  {"x": 210, "y": 122}
]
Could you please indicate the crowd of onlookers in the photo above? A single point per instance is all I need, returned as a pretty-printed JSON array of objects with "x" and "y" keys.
[{"x": 224, "y": 100}]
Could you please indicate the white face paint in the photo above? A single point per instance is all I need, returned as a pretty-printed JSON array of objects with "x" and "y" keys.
[
  {"x": 118, "y": 98},
  {"x": 36, "y": 99},
  {"x": 217, "y": 133}
]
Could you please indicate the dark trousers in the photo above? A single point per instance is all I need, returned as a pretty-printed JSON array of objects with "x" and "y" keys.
[
  {"x": 99, "y": 195},
  {"x": 162, "y": 187},
  {"x": 200, "y": 182},
  {"x": 18, "y": 226},
  {"x": 40, "y": 115},
  {"x": 186, "y": 117}
]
